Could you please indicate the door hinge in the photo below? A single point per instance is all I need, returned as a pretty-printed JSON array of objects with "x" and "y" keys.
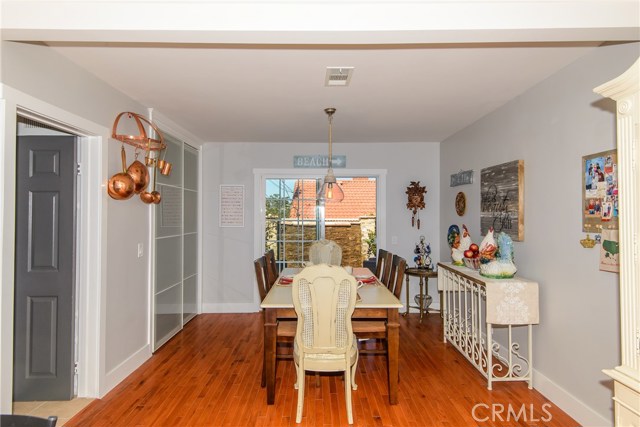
[
  {"x": 75, "y": 369},
  {"x": 78, "y": 169},
  {"x": 637, "y": 341}
]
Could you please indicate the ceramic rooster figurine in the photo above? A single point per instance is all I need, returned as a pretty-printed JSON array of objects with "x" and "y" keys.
[
  {"x": 488, "y": 247},
  {"x": 502, "y": 266},
  {"x": 465, "y": 240}
]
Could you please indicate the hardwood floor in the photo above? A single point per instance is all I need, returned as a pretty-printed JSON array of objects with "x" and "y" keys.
[{"x": 209, "y": 375}]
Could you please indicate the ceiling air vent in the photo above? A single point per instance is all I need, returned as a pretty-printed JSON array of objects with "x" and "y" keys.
[{"x": 338, "y": 76}]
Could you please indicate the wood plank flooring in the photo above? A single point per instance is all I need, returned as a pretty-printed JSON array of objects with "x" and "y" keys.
[{"x": 209, "y": 375}]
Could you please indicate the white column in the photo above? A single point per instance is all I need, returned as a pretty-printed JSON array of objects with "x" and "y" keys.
[{"x": 625, "y": 90}]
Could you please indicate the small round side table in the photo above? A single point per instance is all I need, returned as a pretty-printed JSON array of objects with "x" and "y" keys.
[{"x": 424, "y": 275}]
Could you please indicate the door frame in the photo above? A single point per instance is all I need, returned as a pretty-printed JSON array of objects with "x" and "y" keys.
[
  {"x": 260, "y": 175},
  {"x": 91, "y": 247}
]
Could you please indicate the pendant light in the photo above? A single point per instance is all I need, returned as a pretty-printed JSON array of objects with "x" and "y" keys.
[{"x": 330, "y": 191}]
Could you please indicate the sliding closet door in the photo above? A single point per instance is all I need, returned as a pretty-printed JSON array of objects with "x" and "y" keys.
[
  {"x": 168, "y": 248},
  {"x": 190, "y": 234},
  {"x": 176, "y": 243}
]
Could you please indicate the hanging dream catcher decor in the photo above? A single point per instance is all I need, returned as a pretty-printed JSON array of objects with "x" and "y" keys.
[{"x": 415, "y": 201}]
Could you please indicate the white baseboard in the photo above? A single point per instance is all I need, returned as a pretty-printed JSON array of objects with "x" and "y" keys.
[
  {"x": 230, "y": 308},
  {"x": 124, "y": 369},
  {"x": 564, "y": 400}
]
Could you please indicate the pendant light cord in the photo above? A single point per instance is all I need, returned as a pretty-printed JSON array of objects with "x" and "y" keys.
[{"x": 330, "y": 142}]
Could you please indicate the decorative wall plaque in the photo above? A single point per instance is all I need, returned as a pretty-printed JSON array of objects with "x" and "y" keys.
[
  {"x": 502, "y": 199},
  {"x": 600, "y": 191},
  {"x": 461, "y": 178},
  {"x": 231, "y": 205},
  {"x": 461, "y": 203},
  {"x": 320, "y": 161}
]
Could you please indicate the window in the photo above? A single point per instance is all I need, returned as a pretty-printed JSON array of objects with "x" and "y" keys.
[{"x": 290, "y": 217}]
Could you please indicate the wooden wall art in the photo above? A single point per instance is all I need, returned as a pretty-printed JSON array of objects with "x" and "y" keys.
[
  {"x": 600, "y": 191},
  {"x": 415, "y": 202},
  {"x": 461, "y": 203},
  {"x": 502, "y": 199}
]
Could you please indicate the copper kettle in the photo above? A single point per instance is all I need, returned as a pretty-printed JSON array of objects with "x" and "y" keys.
[{"x": 121, "y": 185}]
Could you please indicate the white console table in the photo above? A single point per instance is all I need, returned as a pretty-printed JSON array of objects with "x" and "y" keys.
[{"x": 472, "y": 305}]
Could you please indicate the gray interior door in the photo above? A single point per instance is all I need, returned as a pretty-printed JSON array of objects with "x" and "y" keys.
[{"x": 44, "y": 270}]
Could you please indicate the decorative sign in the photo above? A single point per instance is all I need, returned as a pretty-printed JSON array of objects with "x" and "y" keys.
[
  {"x": 231, "y": 205},
  {"x": 502, "y": 199},
  {"x": 600, "y": 191},
  {"x": 461, "y": 178},
  {"x": 320, "y": 161}
]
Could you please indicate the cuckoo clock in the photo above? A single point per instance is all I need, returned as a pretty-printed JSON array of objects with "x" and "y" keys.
[{"x": 415, "y": 202}]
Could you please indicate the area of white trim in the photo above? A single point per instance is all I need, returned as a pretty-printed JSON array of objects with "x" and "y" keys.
[
  {"x": 568, "y": 403},
  {"x": 328, "y": 22},
  {"x": 92, "y": 226},
  {"x": 124, "y": 369},
  {"x": 6, "y": 292}
]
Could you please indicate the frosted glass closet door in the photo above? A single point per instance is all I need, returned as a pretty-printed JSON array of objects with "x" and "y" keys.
[
  {"x": 190, "y": 235},
  {"x": 168, "y": 289}
]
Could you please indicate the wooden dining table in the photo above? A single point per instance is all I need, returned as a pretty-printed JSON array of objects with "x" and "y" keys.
[{"x": 375, "y": 302}]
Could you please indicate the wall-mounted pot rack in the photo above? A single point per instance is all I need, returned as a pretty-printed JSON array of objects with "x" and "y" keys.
[{"x": 155, "y": 147}]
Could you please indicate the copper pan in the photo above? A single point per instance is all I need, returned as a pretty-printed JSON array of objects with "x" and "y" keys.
[
  {"x": 121, "y": 185},
  {"x": 155, "y": 193},
  {"x": 146, "y": 196},
  {"x": 140, "y": 175}
]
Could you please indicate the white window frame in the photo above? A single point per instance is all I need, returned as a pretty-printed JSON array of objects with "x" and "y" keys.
[{"x": 260, "y": 176}]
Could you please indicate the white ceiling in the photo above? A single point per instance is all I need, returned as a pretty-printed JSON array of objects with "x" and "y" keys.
[{"x": 237, "y": 84}]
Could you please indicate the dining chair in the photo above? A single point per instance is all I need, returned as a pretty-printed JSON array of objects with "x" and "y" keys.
[
  {"x": 27, "y": 421},
  {"x": 272, "y": 268},
  {"x": 286, "y": 329},
  {"x": 383, "y": 266},
  {"x": 325, "y": 252},
  {"x": 324, "y": 298},
  {"x": 396, "y": 277},
  {"x": 376, "y": 330}
]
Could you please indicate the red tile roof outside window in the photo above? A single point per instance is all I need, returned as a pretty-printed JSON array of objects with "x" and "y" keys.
[{"x": 359, "y": 200}]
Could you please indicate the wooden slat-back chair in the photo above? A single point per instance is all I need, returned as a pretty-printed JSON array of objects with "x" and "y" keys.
[
  {"x": 383, "y": 266},
  {"x": 286, "y": 330},
  {"x": 377, "y": 329},
  {"x": 272, "y": 268},
  {"x": 396, "y": 279}
]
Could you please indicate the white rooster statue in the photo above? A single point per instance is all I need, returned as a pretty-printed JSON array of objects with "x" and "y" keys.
[
  {"x": 488, "y": 247},
  {"x": 501, "y": 266},
  {"x": 460, "y": 245},
  {"x": 465, "y": 240}
]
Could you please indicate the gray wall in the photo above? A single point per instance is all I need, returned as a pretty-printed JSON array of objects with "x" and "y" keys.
[
  {"x": 551, "y": 127},
  {"x": 228, "y": 283},
  {"x": 66, "y": 90}
]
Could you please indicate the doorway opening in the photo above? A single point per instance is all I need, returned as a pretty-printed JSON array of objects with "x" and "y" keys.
[{"x": 45, "y": 277}]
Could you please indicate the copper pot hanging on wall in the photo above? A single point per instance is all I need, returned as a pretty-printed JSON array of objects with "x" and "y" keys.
[
  {"x": 140, "y": 175},
  {"x": 137, "y": 175},
  {"x": 121, "y": 185}
]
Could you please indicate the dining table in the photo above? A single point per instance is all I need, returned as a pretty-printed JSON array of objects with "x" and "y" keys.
[{"x": 375, "y": 302}]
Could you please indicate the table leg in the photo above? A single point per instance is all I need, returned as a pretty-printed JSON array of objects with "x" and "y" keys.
[
  {"x": 270, "y": 330},
  {"x": 393, "y": 344},
  {"x": 407, "y": 293},
  {"x": 421, "y": 298},
  {"x": 426, "y": 294}
]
